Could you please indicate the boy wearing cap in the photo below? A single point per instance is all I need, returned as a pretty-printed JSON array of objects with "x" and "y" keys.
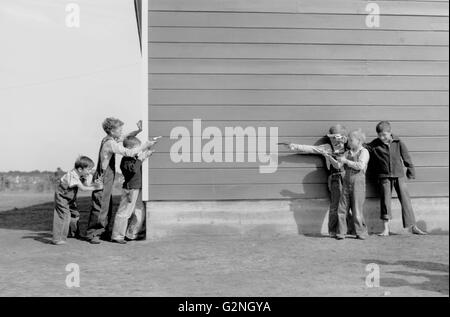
[{"x": 336, "y": 147}]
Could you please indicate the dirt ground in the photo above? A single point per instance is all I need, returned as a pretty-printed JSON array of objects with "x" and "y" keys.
[{"x": 214, "y": 265}]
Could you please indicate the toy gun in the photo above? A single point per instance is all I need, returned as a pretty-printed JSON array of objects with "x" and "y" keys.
[{"x": 156, "y": 139}]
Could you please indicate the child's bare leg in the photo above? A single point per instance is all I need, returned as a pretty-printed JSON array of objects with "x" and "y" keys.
[{"x": 385, "y": 232}]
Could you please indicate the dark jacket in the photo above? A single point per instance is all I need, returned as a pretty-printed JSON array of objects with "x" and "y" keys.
[
  {"x": 132, "y": 172},
  {"x": 388, "y": 160}
]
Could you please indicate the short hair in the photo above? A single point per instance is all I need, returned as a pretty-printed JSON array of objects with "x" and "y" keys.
[
  {"x": 384, "y": 126},
  {"x": 338, "y": 129},
  {"x": 131, "y": 142},
  {"x": 84, "y": 162},
  {"x": 358, "y": 134},
  {"x": 110, "y": 124}
]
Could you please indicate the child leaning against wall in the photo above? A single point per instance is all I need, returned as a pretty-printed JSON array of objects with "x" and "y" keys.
[{"x": 336, "y": 146}]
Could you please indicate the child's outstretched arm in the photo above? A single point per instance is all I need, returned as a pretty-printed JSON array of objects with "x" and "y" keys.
[
  {"x": 310, "y": 149},
  {"x": 145, "y": 155},
  {"x": 89, "y": 185},
  {"x": 118, "y": 148}
]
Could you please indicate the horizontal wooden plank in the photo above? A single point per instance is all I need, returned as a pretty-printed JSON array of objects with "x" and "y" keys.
[
  {"x": 252, "y": 176},
  {"x": 430, "y": 158},
  {"x": 274, "y": 191},
  {"x": 297, "y": 98},
  {"x": 161, "y": 160},
  {"x": 303, "y": 6},
  {"x": 167, "y": 113},
  {"x": 236, "y": 192},
  {"x": 297, "y": 51},
  {"x": 297, "y": 67},
  {"x": 307, "y": 21},
  {"x": 295, "y": 36},
  {"x": 297, "y": 82},
  {"x": 428, "y": 145},
  {"x": 305, "y": 128},
  {"x": 236, "y": 176}
]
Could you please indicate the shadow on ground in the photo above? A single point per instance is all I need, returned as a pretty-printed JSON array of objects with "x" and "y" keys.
[
  {"x": 39, "y": 218},
  {"x": 436, "y": 275}
]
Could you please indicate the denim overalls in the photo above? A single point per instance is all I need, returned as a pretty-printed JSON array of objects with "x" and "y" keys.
[
  {"x": 101, "y": 208},
  {"x": 353, "y": 198},
  {"x": 66, "y": 215},
  {"x": 335, "y": 184}
]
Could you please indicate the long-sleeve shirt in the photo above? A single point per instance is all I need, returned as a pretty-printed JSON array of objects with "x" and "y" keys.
[
  {"x": 112, "y": 147},
  {"x": 358, "y": 161},
  {"x": 389, "y": 159},
  {"x": 71, "y": 180}
]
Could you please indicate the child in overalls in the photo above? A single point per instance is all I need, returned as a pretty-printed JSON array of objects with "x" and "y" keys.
[
  {"x": 101, "y": 208},
  {"x": 66, "y": 215},
  {"x": 353, "y": 196},
  {"x": 336, "y": 146}
]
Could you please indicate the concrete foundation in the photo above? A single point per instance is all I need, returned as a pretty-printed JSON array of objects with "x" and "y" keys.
[{"x": 277, "y": 217}]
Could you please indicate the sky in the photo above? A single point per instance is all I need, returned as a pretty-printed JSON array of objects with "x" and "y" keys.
[{"x": 57, "y": 84}]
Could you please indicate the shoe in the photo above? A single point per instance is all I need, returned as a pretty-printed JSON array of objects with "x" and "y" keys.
[
  {"x": 416, "y": 230},
  {"x": 119, "y": 241},
  {"x": 359, "y": 237},
  {"x": 61, "y": 242},
  {"x": 384, "y": 234},
  {"x": 333, "y": 235},
  {"x": 339, "y": 237},
  {"x": 141, "y": 237},
  {"x": 95, "y": 240}
]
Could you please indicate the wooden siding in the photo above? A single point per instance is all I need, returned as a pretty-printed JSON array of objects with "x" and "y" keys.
[{"x": 301, "y": 66}]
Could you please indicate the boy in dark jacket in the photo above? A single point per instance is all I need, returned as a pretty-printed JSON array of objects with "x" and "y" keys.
[
  {"x": 389, "y": 154},
  {"x": 130, "y": 217}
]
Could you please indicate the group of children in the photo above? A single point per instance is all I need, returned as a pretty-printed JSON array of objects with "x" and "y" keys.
[
  {"x": 347, "y": 156},
  {"x": 129, "y": 222}
]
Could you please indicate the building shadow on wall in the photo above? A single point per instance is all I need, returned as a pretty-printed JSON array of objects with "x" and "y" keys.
[{"x": 435, "y": 276}]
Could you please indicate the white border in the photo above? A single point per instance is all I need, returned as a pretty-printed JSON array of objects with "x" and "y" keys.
[{"x": 145, "y": 92}]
